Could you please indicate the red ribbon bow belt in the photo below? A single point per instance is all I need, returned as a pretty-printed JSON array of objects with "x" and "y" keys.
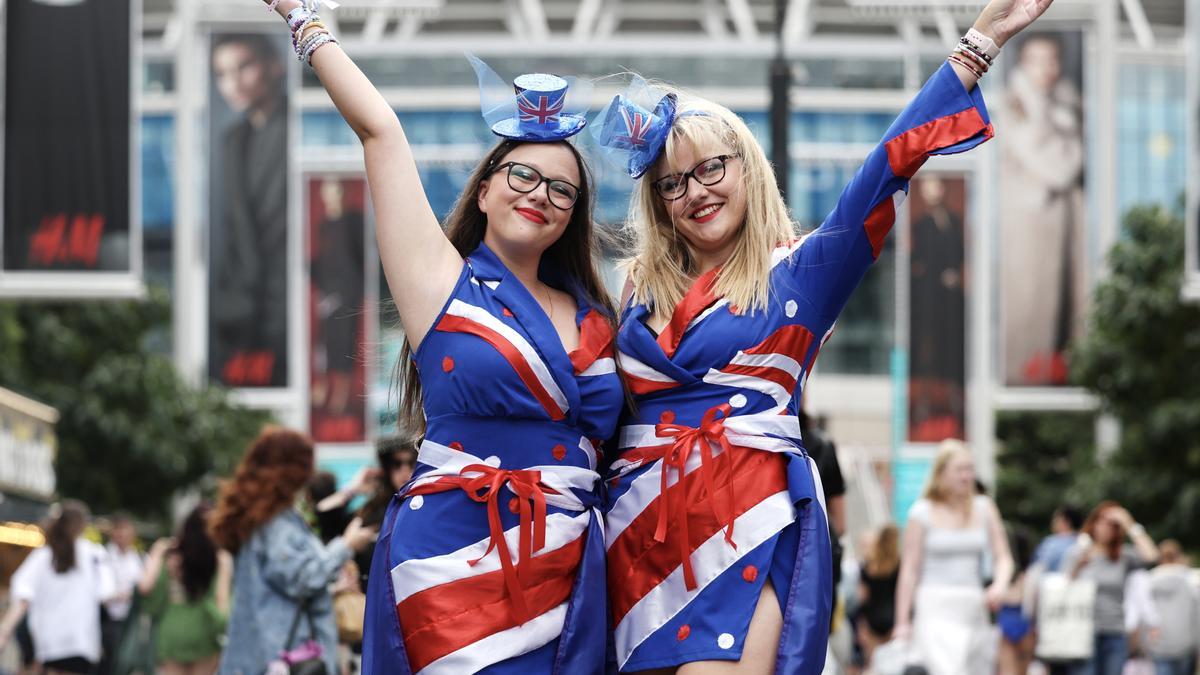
[
  {"x": 675, "y": 454},
  {"x": 485, "y": 487}
]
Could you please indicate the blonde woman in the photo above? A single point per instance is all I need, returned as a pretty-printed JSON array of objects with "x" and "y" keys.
[
  {"x": 941, "y": 604},
  {"x": 718, "y": 550}
]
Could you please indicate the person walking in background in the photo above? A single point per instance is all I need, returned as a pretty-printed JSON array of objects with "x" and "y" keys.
[
  {"x": 62, "y": 585},
  {"x": 941, "y": 605},
  {"x": 185, "y": 589},
  {"x": 1017, "y": 637},
  {"x": 1105, "y": 558},
  {"x": 127, "y": 562},
  {"x": 877, "y": 591},
  {"x": 1178, "y": 602},
  {"x": 282, "y": 571},
  {"x": 1064, "y": 531}
]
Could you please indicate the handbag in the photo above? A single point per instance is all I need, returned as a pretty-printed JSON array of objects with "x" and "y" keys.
[
  {"x": 1064, "y": 618},
  {"x": 304, "y": 659},
  {"x": 349, "y": 609}
]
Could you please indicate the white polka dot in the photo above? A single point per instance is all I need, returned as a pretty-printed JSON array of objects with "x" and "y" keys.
[
  {"x": 790, "y": 308},
  {"x": 737, "y": 401},
  {"x": 725, "y": 641},
  {"x": 416, "y": 502},
  {"x": 492, "y": 461}
]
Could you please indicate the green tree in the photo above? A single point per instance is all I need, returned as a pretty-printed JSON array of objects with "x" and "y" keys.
[
  {"x": 1043, "y": 460},
  {"x": 1142, "y": 358},
  {"x": 132, "y": 432}
]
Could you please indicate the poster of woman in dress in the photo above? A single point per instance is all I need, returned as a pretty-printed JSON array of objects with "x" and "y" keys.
[
  {"x": 1042, "y": 236},
  {"x": 338, "y": 314},
  {"x": 937, "y": 324}
]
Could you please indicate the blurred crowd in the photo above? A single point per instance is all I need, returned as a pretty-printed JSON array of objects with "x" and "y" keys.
[
  {"x": 280, "y": 564},
  {"x": 960, "y": 593}
]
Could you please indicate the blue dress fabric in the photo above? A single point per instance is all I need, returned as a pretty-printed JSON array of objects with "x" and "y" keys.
[
  {"x": 494, "y": 552},
  {"x": 712, "y": 493}
]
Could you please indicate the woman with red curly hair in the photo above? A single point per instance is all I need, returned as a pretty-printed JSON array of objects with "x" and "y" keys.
[
  {"x": 282, "y": 571},
  {"x": 1104, "y": 557}
]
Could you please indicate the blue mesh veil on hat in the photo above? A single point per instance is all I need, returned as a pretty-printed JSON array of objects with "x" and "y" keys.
[
  {"x": 632, "y": 129},
  {"x": 535, "y": 107}
]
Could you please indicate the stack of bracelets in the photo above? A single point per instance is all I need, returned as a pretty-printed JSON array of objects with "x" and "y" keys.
[
  {"x": 309, "y": 33},
  {"x": 976, "y": 52}
]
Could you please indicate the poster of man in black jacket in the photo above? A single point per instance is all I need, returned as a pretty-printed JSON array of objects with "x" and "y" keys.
[{"x": 248, "y": 212}]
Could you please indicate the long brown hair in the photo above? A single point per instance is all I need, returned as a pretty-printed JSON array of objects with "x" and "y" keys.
[
  {"x": 465, "y": 226},
  {"x": 1113, "y": 548},
  {"x": 884, "y": 556},
  {"x": 276, "y": 466},
  {"x": 64, "y": 528}
]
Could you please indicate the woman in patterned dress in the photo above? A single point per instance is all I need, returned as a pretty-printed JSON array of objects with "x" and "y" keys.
[
  {"x": 718, "y": 550},
  {"x": 491, "y": 559}
]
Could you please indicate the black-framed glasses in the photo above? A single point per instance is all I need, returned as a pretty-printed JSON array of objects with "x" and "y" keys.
[
  {"x": 709, "y": 172},
  {"x": 525, "y": 179}
]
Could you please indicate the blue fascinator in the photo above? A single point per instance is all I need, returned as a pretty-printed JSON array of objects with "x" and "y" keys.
[
  {"x": 542, "y": 108},
  {"x": 632, "y": 129}
]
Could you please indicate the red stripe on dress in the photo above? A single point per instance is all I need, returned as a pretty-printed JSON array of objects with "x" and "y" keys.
[
  {"x": 779, "y": 376},
  {"x": 879, "y": 224},
  {"x": 595, "y": 341},
  {"x": 908, "y": 151},
  {"x": 446, "y": 618},
  {"x": 699, "y": 297},
  {"x": 457, "y": 324},
  {"x": 640, "y": 385},
  {"x": 792, "y": 341},
  {"x": 637, "y": 563}
]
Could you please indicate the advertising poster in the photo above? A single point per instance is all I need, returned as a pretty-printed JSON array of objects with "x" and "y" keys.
[
  {"x": 939, "y": 286},
  {"x": 338, "y": 310},
  {"x": 248, "y": 210},
  {"x": 1042, "y": 235},
  {"x": 67, "y": 122}
]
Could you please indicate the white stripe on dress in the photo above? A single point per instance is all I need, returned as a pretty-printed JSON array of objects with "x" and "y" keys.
[{"x": 540, "y": 370}]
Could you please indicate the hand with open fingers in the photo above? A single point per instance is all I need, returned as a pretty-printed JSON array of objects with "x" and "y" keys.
[{"x": 1002, "y": 19}]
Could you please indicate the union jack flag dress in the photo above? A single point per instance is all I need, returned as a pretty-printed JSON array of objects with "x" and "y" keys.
[
  {"x": 712, "y": 492},
  {"x": 492, "y": 558}
]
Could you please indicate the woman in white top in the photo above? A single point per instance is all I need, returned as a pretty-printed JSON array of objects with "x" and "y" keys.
[
  {"x": 61, "y": 586},
  {"x": 941, "y": 604}
]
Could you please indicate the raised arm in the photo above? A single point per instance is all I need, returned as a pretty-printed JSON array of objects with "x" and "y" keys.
[
  {"x": 420, "y": 263},
  {"x": 947, "y": 116}
]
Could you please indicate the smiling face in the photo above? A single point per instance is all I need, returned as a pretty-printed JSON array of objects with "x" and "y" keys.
[
  {"x": 522, "y": 225},
  {"x": 709, "y": 217}
]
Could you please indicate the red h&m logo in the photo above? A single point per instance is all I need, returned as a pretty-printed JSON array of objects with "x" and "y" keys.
[
  {"x": 543, "y": 111},
  {"x": 67, "y": 239},
  {"x": 637, "y": 126},
  {"x": 249, "y": 369}
]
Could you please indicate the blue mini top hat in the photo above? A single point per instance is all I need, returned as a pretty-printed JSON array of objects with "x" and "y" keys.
[
  {"x": 544, "y": 107},
  {"x": 632, "y": 129}
]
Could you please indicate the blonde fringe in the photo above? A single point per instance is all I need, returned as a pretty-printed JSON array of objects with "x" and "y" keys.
[{"x": 661, "y": 268}]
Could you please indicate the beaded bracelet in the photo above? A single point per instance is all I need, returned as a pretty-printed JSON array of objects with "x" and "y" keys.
[
  {"x": 297, "y": 17},
  {"x": 970, "y": 55},
  {"x": 323, "y": 38},
  {"x": 965, "y": 64},
  {"x": 313, "y": 22},
  {"x": 966, "y": 46},
  {"x": 273, "y": 4}
]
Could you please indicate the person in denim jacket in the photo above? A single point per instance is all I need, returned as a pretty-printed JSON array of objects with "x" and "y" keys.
[{"x": 280, "y": 562}]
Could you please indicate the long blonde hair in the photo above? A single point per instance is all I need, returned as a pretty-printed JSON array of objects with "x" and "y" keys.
[
  {"x": 948, "y": 450},
  {"x": 884, "y": 556},
  {"x": 662, "y": 267}
]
